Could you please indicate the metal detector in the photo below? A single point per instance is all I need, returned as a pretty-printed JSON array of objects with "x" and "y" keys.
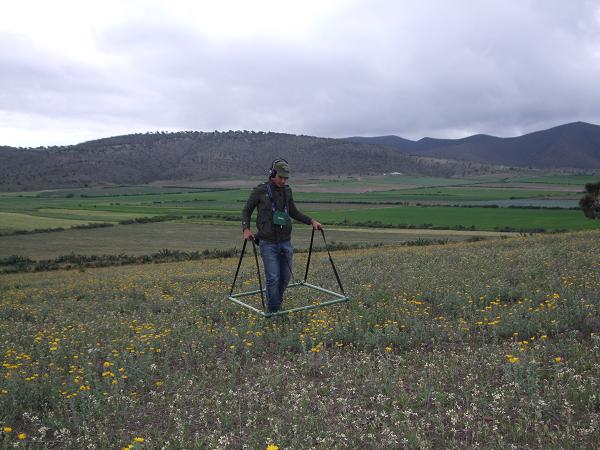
[{"x": 337, "y": 298}]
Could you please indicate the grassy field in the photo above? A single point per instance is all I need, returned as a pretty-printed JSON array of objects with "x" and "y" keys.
[
  {"x": 575, "y": 180},
  {"x": 478, "y": 218},
  {"x": 491, "y": 344},
  {"x": 384, "y": 182},
  {"x": 232, "y": 200},
  {"x": 16, "y": 221},
  {"x": 201, "y": 218},
  {"x": 48, "y": 209},
  {"x": 145, "y": 239}
]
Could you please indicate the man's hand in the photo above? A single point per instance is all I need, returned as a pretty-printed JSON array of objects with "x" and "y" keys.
[
  {"x": 316, "y": 225},
  {"x": 248, "y": 235}
]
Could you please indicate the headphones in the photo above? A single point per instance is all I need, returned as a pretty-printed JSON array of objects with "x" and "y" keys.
[{"x": 272, "y": 170}]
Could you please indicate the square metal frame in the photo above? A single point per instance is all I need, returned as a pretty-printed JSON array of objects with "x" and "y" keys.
[{"x": 337, "y": 297}]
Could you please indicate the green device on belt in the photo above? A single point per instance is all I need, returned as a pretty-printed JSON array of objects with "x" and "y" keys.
[{"x": 280, "y": 218}]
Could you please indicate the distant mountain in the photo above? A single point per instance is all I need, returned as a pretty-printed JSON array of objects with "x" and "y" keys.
[
  {"x": 574, "y": 145},
  {"x": 189, "y": 156}
]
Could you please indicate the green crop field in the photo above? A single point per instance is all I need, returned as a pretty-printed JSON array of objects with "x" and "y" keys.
[
  {"x": 16, "y": 221},
  {"x": 108, "y": 191},
  {"x": 390, "y": 180},
  {"x": 353, "y": 202},
  {"x": 145, "y": 239},
  {"x": 490, "y": 344},
  {"x": 437, "y": 194},
  {"x": 576, "y": 180},
  {"x": 478, "y": 218}
]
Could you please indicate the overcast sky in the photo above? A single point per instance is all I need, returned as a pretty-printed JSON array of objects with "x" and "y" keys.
[{"x": 72, "y": 71}]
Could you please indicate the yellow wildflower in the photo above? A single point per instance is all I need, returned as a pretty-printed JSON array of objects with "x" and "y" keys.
[
  {"x": 7, "y": 430},
  {"x": 138, "y": 439},
  {"x": 272, "y": 447},
  {"x": 557, "y": 359},
  {"x": 22, "y": 436}
]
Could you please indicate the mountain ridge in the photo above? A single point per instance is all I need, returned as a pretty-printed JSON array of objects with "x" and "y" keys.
[
  {"x": 194, "y": 155},
  {"x": 573, "y": 145}
]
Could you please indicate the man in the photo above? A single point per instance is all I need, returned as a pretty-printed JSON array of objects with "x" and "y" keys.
[{"x": 276, "y": 207}]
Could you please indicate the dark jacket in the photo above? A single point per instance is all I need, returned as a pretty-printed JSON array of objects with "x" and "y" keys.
[{"x": 259, "y": 198}]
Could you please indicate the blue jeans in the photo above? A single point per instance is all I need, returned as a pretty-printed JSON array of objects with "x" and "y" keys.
[{"x": 277, "y": 259}]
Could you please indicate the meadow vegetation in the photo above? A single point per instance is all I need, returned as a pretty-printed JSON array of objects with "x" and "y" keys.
[
  {"x": 192, "y": 236},
  {"x": 491, "y": 344},
  {"x": 391, "y": 201}
]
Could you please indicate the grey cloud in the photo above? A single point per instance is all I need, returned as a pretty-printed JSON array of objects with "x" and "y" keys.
[
  {"x": 45, "y": 84},
  {"x": 382, "y": 67}
]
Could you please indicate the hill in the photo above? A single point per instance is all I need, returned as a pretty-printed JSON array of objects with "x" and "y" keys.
[
  {"x": 573, "y": 145},
  {"x": 188, "y": 156}
]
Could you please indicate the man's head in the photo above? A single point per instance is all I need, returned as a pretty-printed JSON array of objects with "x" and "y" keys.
[{"x": 280, "y": 172}]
